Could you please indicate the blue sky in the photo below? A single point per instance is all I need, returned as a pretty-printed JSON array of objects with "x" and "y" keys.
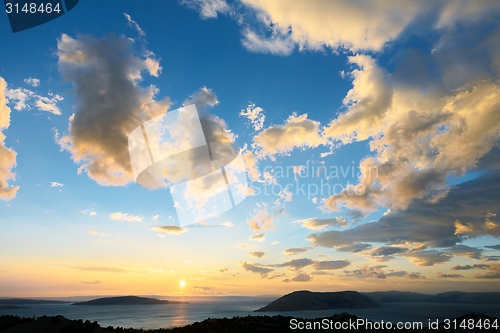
[{"x": 396, "y": 103}]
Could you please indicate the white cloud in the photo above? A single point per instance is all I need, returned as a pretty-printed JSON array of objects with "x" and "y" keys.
[
  {"x": 34, "y": 82},
  {"x": 27, "y": 99},
  {"x": 317, "y": 224},
  {"x": 7, "y": 155},
  {"x": 352, "y": 25},
  {"x": 56, "y": 184},
  {"x": 276, "y": 44},
  {"x": 119, "y": 216},
  {"x": 208, "y": 8},
  {"x": 296, "y": 132},
  {"x": 256, "y": 116},
  {"x": 135, "y": 25}
]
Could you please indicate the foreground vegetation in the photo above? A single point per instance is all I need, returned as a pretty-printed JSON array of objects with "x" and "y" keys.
[{"x": 59, "y": 324}]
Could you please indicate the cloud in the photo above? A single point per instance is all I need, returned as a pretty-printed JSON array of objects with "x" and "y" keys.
[
  {"x": 337, "y": 24},
  {"x": 255, "y": 115},
  {"x": 227, "y": 224},
  {"x": 433, "y": 225},
  {"x": 257, "y": 254},
  {"x": 331, "y": 264},
  {"x": 446, "y": 276},
  {"x": 277, "y": 44},
  {"x": 357, "y": 247},
  {"x": 7, "y": 155},
  {"x": 205, "y": 288},
  {"x": 367, "y": 271},
  {"x": 56, "y": 184},
  {"x": 467, "y": 267},
  {"x": 109, "y": 103},
  {"x": 295, "y": 250},
  {"x": 155, "y": 217},
  {"x": 169, "y": 229},
  {"x": 34, "y": 82},
  {"x": 296, "y": 264},
  {"x": 96, "y": 233},
  {"x": 208, "y": 8},
  {"x": 493, "y": 274},
  {"x": 119, "y": 216},
  {"x": 301, "y": 277},
  {"x": 263, "y": 271},
  {"x": 415, "y": 275},
  {"x": 494, "y": 247},
  {"x": 263, "y": 220},
  {"x": 317, "y": 224},
  {"x": 27, "y": 99},
  {"x": 135, "y": 25},
  {"x": 92, "y": 282},
  {"x": 101, "y": 269},
  {"x": 258, "y": 238},
  {"x": 429, "y": 258},
  {"x": 296, "y": 132},
  {"x": 92, "y": 213}
]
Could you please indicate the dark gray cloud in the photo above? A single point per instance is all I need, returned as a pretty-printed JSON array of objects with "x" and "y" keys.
[
  {"x": 468, "y": 267},
  {"x": 295, "y": 250},
  {"x": 302, "y": 277},
  {"x": 494, "y": 247},
  {"x": 331, "y": 264},
  {"x": 263, "y": 271},
  {"x": 447, "y": 276},
  {"x": 296, "y": 264}
]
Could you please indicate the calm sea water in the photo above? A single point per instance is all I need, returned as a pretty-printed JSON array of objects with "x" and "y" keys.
[{"x": 175, "y": 315}]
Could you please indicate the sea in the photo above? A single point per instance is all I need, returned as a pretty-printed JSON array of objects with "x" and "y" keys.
[{"x": 199, "y": 309}]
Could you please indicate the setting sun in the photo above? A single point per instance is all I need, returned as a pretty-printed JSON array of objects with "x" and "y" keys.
[{"x": 182, "y": 283}]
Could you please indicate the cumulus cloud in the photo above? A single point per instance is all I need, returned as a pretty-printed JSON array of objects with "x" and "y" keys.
[
  {"x": 258, "y": 238},
  {"x": 301, "y": 277},
  {"x": 296, "y": 264},
  {"x": 109, "y": 103},
  {"x": 467, "y": 267},
  {"x": 34, "y": 82},
  {"x": 296, "y": 132},
  {"x": 25, "y": 99},
  {"x": 257, "y": 254},
  {"x": 337, "y": 24},
  {"x": 119, "y": 216},
  {"x": 446, "y": 276},
  {"x": 331, "y": 264},
  {"x": 208, "y": 8},
  {"x": 169, "y": 229},
  {"x": 263, "y": 271},
  {"x": 255, "y": 115},
  {"x": 277, "y": 43},
  {"x": 429, "y": 258},
  {"x": 295, "y": 250},
  {"x": 7, "y": 155},
  {"x": 314, "y": 223},
  {"x": 494, "y": 272}
]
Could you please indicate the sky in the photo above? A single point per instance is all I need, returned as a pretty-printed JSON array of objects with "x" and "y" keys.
[{"x": 367, "y": 132}]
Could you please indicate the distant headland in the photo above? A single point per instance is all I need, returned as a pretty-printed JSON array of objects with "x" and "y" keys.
[
  {"x": 126, "y": 300},
  {"x": 307, "y": 300}
]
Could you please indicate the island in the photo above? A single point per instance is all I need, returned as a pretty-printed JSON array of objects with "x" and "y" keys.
[
  {"x": 307, "y": 300},
  {"x": 126, "y": 300}
]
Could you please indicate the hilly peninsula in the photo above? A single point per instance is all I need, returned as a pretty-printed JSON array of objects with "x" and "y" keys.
[
  {"x": 125, "y": 300},
  {"x": 307, "y": 300}
]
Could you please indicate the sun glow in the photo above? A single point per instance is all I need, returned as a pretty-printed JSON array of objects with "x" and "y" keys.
[{"x": 182, "y": 283}]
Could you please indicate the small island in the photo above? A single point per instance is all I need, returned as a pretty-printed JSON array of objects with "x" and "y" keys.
[
  {"x": 307, "y": 300},
  {"x": 126, "y": 300}
]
